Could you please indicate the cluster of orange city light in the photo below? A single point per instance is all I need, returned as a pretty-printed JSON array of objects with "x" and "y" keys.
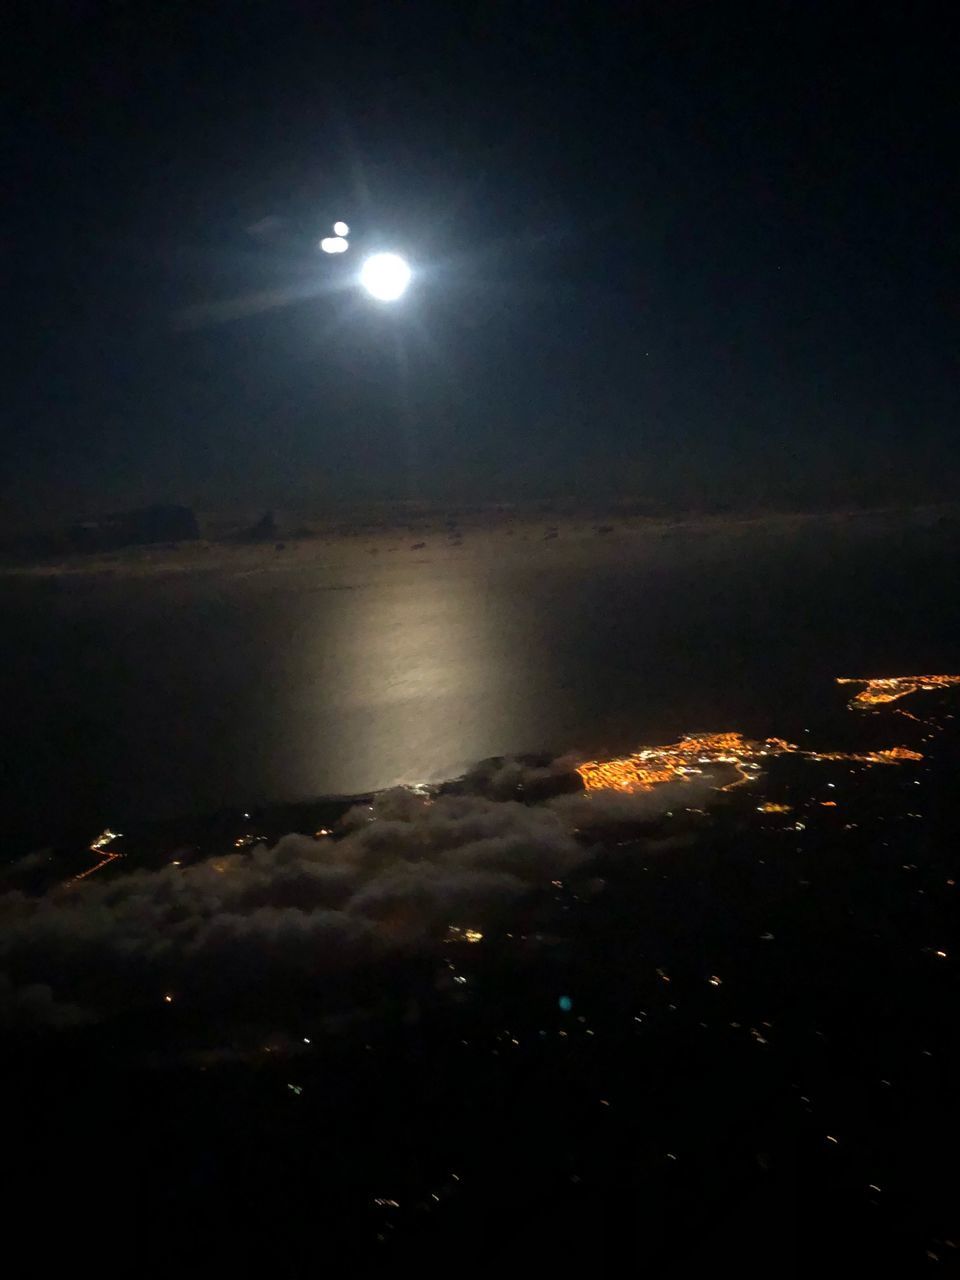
[
  {"x": 652, "y": 766},
  {"x": 678, "y": 761},
  {"x": 876, "y": 693}
]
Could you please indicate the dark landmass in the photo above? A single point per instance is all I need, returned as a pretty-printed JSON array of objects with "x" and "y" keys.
[{"x": 727, "y": 1035}]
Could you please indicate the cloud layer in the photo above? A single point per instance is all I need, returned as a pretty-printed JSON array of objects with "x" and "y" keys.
[{"x": 406, "y": 867}]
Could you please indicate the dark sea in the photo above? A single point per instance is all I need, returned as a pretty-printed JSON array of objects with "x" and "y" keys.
[{"x": 171, "y": 694}]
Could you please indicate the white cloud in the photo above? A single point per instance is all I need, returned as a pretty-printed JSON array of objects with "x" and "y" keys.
[{"x": 406, "y": 867}]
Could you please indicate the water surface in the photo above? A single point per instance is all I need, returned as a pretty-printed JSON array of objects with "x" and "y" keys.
[{"x": 174, "y": 693}]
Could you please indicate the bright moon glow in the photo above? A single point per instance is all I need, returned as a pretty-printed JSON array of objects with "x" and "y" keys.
[
  {"x": 334, "y": 244},
  {"x": 385, "y": 276},
  {"x": 340, "y": 229}
]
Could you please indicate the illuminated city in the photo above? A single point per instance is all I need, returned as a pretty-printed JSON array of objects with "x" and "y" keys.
[
  {"x": 877, "y": 692},
  {"x": 679, "y": 761}
]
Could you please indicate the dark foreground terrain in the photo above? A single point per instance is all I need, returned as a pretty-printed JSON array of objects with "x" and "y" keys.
[{"x": 723, "y": 1035}]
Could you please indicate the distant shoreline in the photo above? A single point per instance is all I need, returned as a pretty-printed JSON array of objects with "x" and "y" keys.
[{"x": 450, "y": 532}]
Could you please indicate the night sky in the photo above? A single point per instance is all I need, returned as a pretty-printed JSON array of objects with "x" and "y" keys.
[{"x": 691, "y": 253}]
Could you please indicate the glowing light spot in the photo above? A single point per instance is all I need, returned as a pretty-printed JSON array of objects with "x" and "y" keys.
[
  {"x": 385, "y": 276},
  {"x": 456, "y": 934},
  {"x": 334, "y": 244},
  {"x": 104, "y": 839},
  {"x": 565, "y": 1003},
  {"x": 341, "y": 229}
]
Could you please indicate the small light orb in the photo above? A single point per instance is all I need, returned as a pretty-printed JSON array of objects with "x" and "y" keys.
[
  {"x": 385, "y": 276},
  {"x": 334, "y": 244},
  {"x": 340, "y": 229}
]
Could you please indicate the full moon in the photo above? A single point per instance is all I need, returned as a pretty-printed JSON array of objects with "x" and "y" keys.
[{"x": 385, "y": 276}]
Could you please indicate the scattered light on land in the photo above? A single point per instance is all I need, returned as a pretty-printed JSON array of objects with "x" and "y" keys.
[{"x": 105, "y": 838}]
